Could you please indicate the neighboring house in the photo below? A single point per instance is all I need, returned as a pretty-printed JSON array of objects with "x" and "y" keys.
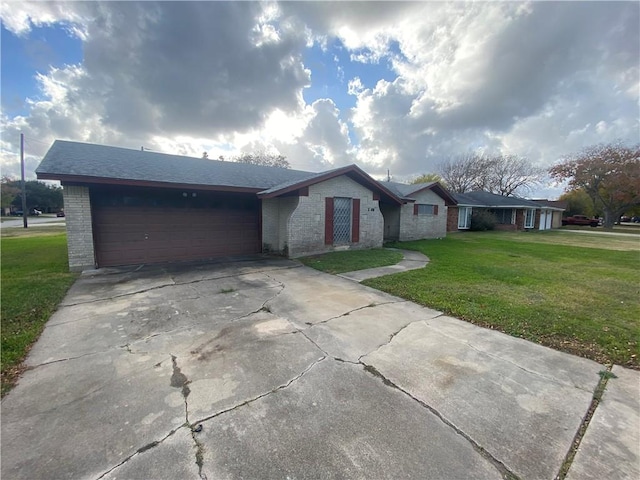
[
  {"x": 126, "y": 207},
  {"x": 511, "y": 213},
  {"x": 423, "y": 213},
  {"x": 551, "y": 211}
]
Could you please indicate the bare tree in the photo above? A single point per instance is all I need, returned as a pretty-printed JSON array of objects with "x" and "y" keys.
[
  {"x": 504, "y": 175},
  {"x": 463, "y": 173},
  {"x": 509, "y": 174},
  {"x": 265, "y": 159}
]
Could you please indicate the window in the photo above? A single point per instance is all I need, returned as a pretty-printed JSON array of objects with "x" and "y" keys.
[
  {"x": 464, "y": 218},
  {"x": 423, "y": 209},
  {"x": 341, "y": 220},
  {"x": 530, "y": 218},
  {"x": 504, "y": 216}
]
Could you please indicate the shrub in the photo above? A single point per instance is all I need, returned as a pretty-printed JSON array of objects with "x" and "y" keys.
[{"x": 482, "y": 220}]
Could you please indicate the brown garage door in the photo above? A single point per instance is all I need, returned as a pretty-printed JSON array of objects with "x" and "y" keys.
[{"x": 138, "y": 226}]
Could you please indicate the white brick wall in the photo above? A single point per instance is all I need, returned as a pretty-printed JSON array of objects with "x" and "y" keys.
[
  {"x": 415, "y": 227},
  {"x": 275, "y": 219},
  {"x": 306, "y": 223},
  {"x": 77, "y": 208}
]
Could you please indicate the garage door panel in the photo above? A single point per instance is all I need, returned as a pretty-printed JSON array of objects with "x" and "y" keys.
[{"x": 125, "y": 235}]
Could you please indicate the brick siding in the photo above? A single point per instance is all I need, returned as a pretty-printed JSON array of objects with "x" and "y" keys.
[
  {"x": 77, "y": 208},
  {"x": 305, "y": 232}
]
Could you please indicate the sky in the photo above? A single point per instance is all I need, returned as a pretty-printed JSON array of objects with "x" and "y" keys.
[{"x": 393, "y": 87}]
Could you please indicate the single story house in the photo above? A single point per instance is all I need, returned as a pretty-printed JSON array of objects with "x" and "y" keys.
[
  {"x": 128, "y": 207},
  {"x": 423, "y": 213},
  {"x": 511, "y": 213}
]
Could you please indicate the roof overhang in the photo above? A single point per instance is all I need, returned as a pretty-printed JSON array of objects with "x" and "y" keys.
[
  {"x": 351, "y": 171},
  {"x": 88, "y": 180},
  {"x": 439, "y": 190}
]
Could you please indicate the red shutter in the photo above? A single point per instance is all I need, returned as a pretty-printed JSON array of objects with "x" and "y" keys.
[
  {"x": 435, "y": 209},
  {"x": 415, "y": 208},
  {"x": 355, "y": 220},
  {"x": 328, "y": 221}
]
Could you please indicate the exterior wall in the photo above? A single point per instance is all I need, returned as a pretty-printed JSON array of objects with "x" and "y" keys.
[
  {"x": 391, "y": 215},
  {"x": 305, "y": 234},
  {"x": 275, "y": 220},
  {"x": 416, "y": 227},
  {"x": 77, "y": 209},
  {"x": 556, "y": 221},
  {"x": 452, "y": 219}
]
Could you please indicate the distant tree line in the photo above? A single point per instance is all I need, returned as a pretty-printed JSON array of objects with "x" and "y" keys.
[{"x": 44, "y": 197}]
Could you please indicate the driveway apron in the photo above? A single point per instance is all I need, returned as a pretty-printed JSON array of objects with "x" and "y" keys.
[{"x": 264, "y": 368}]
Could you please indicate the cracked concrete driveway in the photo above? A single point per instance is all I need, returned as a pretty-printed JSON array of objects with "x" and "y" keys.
[{"x": 268, "y": 369}]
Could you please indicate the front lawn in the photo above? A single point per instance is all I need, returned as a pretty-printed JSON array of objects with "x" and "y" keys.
[
  {"x": 541, "y": 286},
  {"x": 35, "y": 277},
  {"x": 570, "y": 291},
  {"x": 350, "y": 260}
]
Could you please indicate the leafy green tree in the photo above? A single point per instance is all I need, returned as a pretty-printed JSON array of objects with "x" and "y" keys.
[
  {"x": 8, "y": 192},
  {"x": 579, "y": 203},
  {"x": 608, "y": 173},
  {"x": 42, "y": 196}
]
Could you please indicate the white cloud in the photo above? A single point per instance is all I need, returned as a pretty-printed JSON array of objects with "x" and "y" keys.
[{"x": 539, "y": 79}]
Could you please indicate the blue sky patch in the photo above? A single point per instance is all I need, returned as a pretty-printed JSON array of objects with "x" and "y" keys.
[{"x": 43, "y": 48}]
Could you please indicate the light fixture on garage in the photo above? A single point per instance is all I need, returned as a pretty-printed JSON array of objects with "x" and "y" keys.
[{"x": 184, "y": 194}]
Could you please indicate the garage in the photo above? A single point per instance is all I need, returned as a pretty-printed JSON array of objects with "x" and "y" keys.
[{"x": 152, "y": 225}]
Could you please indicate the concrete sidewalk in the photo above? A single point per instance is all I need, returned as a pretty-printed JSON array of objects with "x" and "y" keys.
[
  {"x": 411, "y": 260},
  {"x": 268, "y": 369}
]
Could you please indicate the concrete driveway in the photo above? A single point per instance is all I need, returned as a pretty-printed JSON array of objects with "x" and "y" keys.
[{"x": 268, "y": 369}]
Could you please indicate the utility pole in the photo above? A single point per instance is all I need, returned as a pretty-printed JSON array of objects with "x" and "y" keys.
[{"x": 22, "y": 184}]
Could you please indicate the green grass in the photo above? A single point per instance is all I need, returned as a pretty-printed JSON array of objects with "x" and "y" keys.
[
  {"x": 351, "y": 260},
  {"x": 541, "y": 286},
  {"x": 35, "y": 278}
]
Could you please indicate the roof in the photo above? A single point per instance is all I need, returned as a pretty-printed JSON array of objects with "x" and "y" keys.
[
  {"x": 84, "y": 162},
  {"x": 552, "y": 204},
  {"x": 405, "y": 190},
  {"x": 492, "y": 200},
  {"x": 89, "y": 163},
  {"x": 352, "y": 171}
]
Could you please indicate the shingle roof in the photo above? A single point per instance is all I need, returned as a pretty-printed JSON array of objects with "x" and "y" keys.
[
  {"x": 72, "y": 159},
  {"x": 405, "y": 190},
  {"x": 486, "y": 199}
]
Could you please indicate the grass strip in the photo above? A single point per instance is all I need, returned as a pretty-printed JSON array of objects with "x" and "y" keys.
[
  {"x": 352, "y": 260},
  {"x": 35, "y": 277},
  {"x": 581, "y": 300}
]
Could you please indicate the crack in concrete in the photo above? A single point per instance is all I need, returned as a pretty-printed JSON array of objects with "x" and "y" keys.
[
  {"x": 501, "y": 467},
  {"x": 371, "y": 305},
  {"x": 180, "y": 380},
  {"x": 143, "y": 449},
  {"x": 262, "y": 395},
  {"x": 605, "y": 375},
  {"x": 391, "y": 337},
  {"x": 174, "y": 283}
]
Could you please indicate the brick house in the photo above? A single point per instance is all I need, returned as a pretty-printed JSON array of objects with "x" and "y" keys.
[
  {"x": 511, "y": 213},
  {"x": 127, "y": 207}
]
